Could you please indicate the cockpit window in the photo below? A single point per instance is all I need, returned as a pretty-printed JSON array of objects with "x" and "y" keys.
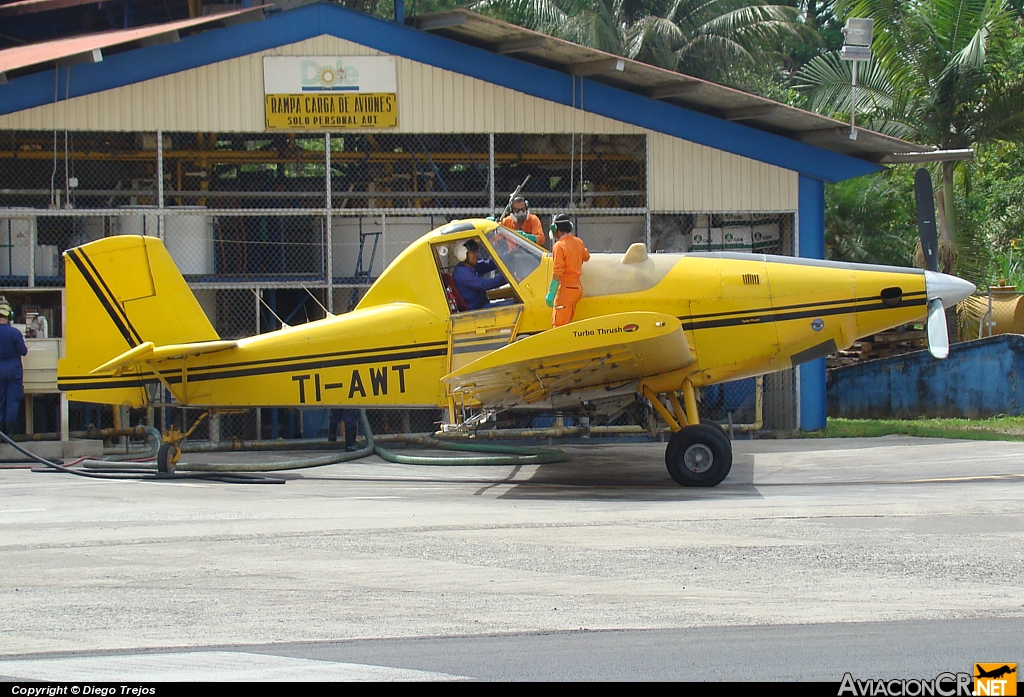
[
  {"x": 456, "y": 226},
  {"x": 519, "y": 256}
]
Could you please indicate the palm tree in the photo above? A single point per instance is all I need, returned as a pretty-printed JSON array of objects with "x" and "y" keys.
[
  {"x": 939, "y": 76},
  {"x": 699, "y": 37}
]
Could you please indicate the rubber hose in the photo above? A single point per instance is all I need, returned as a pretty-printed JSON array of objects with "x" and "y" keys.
[
  {"x": 332, "y": 459},
  {"x": 505, "y": 454},
  {"x": 228, "y": 478},
  {"x": 153, "y": 442},
  {"x": 499, "y": 455}
]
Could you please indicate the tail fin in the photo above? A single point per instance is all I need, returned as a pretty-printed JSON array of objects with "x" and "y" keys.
[{"x": 122, "y": 291}]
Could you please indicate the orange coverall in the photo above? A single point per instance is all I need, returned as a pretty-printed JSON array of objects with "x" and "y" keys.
[
  {"x": 570, "y": 253},
  {"x": 531, "y": 226}
]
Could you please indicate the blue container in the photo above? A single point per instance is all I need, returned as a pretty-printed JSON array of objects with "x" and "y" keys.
[{"x": 981, "y": 378}]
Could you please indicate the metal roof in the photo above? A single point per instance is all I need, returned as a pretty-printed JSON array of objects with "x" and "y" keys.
[
  {"x": 25, "y": 7},
  {"x": 89, "y": 48},
  {"x": 665, "y": 85}
]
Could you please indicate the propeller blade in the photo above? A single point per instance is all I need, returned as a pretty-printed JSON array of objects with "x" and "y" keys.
[
  {"x": 938, "y": 339},
  {"x": 926, "y": 218}
]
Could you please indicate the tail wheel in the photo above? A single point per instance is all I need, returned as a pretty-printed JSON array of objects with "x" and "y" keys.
[
  {"x": 699, "y": 455},
  {"x": 166, "y": 458}
]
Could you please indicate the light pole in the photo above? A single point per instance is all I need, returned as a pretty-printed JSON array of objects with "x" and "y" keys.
[{"x": 856, "y": 48}]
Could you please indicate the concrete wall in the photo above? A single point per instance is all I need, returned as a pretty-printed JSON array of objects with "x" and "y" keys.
[{"x": 980, "y": 378}]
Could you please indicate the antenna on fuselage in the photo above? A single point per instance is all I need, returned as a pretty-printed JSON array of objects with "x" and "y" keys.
[
  {"x": 284, "y": 325},
  {"x": 317, "y": 301}
]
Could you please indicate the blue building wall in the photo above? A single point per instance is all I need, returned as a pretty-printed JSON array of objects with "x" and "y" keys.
[{"x": 980, "y": 378}]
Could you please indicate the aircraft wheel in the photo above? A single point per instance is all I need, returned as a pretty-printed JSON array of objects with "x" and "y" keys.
[
  {"x": 699, "y": 455},
  {"x": 713, "y": 431},
  {"x": 166, "y": 458}
]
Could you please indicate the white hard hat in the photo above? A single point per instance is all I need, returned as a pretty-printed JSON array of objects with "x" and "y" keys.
[{"x": 462, "y": 249}]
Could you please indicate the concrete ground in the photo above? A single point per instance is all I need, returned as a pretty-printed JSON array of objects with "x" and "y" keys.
[{"x": 853, "y": 547}]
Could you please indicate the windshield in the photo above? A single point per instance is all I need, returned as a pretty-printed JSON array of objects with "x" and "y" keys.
[{"x": 519, "y": 256}]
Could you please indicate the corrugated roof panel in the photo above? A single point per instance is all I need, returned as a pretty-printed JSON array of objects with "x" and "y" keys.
[
  {"x": 651, "y": 81},
  {"x": 82, "y": 48},
  {"x": 27, "y": 7}
]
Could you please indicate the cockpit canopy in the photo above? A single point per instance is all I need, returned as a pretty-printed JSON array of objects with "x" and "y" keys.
[{"x": 518, "y": 255}]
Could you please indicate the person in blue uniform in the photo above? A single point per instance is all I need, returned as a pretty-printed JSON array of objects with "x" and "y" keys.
[
  {"x": 350, "y": 417},
  {"x": 468, "y": 275},
  {"x": 12, "y": 348}
]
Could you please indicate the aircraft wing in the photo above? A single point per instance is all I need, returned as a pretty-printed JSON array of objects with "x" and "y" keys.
[{"x": 603, "y": 351}]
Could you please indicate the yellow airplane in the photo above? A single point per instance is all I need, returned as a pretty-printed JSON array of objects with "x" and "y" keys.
[{"x": 659, "y": 326}]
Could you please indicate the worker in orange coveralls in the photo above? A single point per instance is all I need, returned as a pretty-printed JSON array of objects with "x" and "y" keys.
[
  {"x": 570, "y": 253},
  {"x": 524, "y": 222}
]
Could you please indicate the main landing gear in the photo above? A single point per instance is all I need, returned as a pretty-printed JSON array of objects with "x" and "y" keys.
[{"x": 697, "y": 454}]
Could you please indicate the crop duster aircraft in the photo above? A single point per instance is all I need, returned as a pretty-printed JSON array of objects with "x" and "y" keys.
[{"x": 661, "y": 326}]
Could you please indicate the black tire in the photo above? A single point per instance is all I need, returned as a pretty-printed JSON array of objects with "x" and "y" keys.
[
  {"x": 165, "y": 458},
  {"x": 712, "y": 430},
  {"x": 699, "y": 455}
]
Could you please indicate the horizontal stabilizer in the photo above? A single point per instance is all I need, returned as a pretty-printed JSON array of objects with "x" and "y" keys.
[
  {"x": 148, "y": 353},
  {"x": 609, "y": 350}
]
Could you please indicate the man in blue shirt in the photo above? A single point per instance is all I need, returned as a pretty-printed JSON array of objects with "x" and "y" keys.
[
  {"x": 12, "y": 348},
  {"x": 468, "y": 275}
]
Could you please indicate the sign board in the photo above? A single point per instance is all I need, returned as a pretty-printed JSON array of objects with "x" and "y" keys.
[
  {"x": 324, "y": 92},
  {"x": 734, "y": 238}
]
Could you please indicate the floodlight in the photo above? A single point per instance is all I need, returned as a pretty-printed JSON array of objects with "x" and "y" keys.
[
  {"x": 858, "y": 32},
  {"x": 856, "y": 48}
]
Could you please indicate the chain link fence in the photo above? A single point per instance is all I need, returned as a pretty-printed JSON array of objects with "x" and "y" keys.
[
  {"x": 271, "y": 228},
  {"x": 573, "y": 171}
]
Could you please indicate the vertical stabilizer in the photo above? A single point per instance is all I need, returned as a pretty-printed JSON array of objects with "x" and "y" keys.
[{"x": 123, "y": 291}]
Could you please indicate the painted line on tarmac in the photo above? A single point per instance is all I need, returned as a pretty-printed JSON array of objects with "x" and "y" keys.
[
  {"x": 209, "y": 666},
  {"x": 972, "y": 478},
  {"x": 371, "y": 498}
]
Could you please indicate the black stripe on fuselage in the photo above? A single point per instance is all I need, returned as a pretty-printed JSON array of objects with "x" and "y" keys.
[
  {"x": 194, "y": 371},
  {"x": 782, "y": 308},
  {"x": 98, "y": 292},
  {"x": 786, "y": 316},
  {"x": 104, "y": 382}
]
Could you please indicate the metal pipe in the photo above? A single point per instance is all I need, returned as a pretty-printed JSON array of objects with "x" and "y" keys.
[
  {"x": 237, "y": 445},
  {"x": 92, "y": 433},
  {"x": 160, "y": 184},
  {"x": 546, "y": 432},
  {"x": 329, "y": 221}
]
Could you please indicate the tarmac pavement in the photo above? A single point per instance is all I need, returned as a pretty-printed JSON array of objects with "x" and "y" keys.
[{"x": 809, "y": 548}]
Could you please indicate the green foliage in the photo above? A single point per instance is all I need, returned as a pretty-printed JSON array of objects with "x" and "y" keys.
[
  {"x": 996, "y": 428},
  {"x": 704, "y": 38},
  {"x": 1008, "y": 265},
  {"x": 993, "y": 206},
  {"x": 872, "y": 219},
  {"x": 945, "y": 73}
]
